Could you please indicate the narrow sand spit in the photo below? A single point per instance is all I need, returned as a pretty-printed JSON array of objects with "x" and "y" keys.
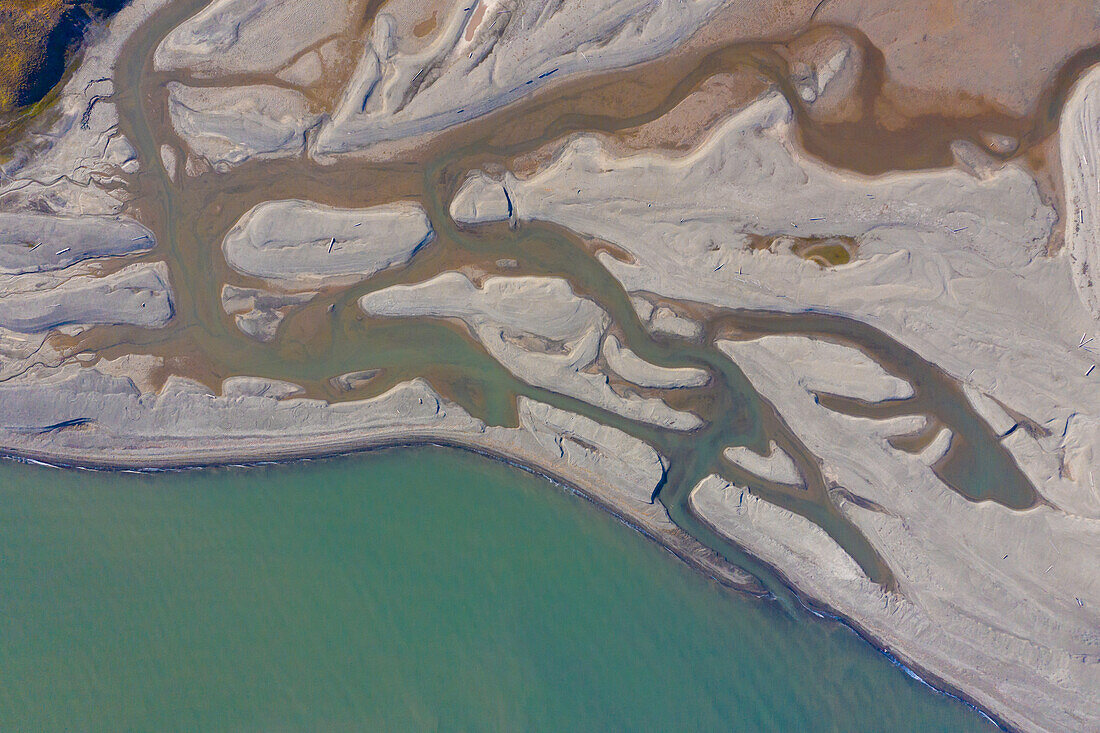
[
  {"x": 633, "y": 368},
  {"x": 775, "y": 466},
  {"x": 1081, "y": 169}
]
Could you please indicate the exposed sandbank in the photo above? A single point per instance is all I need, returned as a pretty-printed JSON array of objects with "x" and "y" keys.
[
  {"x": 249, "y": 36},
  {"x": 633, "y": 368},
  {"x": 257, "y": 312},
  {"x": 536, "y": 327},
  {"x": 34, "y": 242},
  {"x": 137, "y": 295},
  {"x": 230, "y": 125},
  {"x": 775, "y": 466},
  {"x": 300, "y": 240}
]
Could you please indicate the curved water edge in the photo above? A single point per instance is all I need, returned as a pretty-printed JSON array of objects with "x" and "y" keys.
[
  {"x": 681, "y": 545},
  {"x": 778, "y": 587},
  {"x": 789, "y": 601}
]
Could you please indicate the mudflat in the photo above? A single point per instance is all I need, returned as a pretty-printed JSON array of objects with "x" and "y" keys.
[{"x": 776, "y": 280}]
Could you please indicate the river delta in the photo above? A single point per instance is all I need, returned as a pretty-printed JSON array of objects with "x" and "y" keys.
[{"x": 718, "y": 276}]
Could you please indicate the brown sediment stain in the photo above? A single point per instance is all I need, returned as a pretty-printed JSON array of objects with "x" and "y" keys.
[
  {"x": 880, "y": 137},
  {"x": 870, "y": 134},
  {"x": 686, "y": 125},
  {"x": 940, "y": 56},
  {"x": 759, "y": 242},
  {"x": 629, "y": 104},
  {"x": 475, "y": 21},
  {"x": 872, "y": 137},
  {"x": 825, "y": 252},
  {"x": 364, "y": 13},
  {"x": 346, "y": 51},
  {"x": 808, "y": 56},
  {"x": 917, "y": 441},
  {"x": 338, "y": 57},
  {"x": 426, "y": 26},
  {"x": 418, "y": 22},
  {"x": 889, "y": 136}
]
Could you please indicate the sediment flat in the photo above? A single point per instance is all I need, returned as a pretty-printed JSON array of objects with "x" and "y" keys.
[
  {"x": 137, "y": 295},
  {"x": 249, "y": 36},
  {"x": 536, "y": 327},
  {"x": 1080, "y": 152},
  {"x": 776, "y": 465},
  {"x": 35, "y": 242},
  {"x": 229, "y": 126},
  {"x": 676, "y": 220},
  {"x": 633, "y": 368}
]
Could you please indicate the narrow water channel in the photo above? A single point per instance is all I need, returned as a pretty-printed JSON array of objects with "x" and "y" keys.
[{"x": 330, "y": 336}]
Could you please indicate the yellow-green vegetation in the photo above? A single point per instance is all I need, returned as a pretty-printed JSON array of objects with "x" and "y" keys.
[
  {"x": 825, "y": 252},
  {"x": 25, "y": 27}
]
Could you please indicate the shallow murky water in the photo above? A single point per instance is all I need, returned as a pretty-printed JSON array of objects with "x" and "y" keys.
[{"x": 399, "y": 590}]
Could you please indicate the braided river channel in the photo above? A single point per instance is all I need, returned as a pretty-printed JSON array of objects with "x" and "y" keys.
[{"x": 426, "y": 587}]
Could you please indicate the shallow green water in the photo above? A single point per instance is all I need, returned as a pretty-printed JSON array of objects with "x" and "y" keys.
[{"x": 411, "y": 589}]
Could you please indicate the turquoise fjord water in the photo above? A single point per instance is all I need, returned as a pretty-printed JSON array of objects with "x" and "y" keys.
[{"x": 399, "y": 590}]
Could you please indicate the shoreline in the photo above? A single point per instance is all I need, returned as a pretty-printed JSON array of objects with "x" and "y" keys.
[
  {"x": 671, "y": 537},
  {"x": 156, "y": 453},
  {"x": 822, "y": 610},
  {"x": 678, "y": 543}
]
